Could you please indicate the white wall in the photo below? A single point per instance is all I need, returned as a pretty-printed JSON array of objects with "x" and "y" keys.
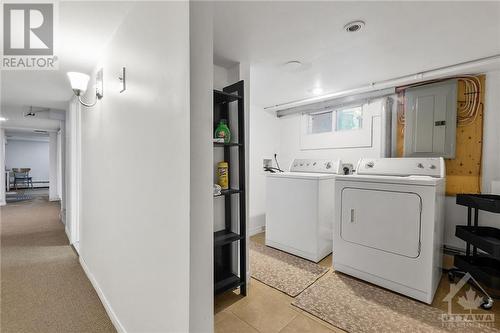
[
  {"x": 72, "y": 169},
  {"x": 134, "y": 241},
  {"x": 59, "y": 164},
  {"x": 457, "y": 215},
  {"x": 29, "y": 154},
  {"x": 201, "y": 293},
  {"x": 2, "y": 163},
  {"x": 220, "y": 77},
  {"x": 53, "y": 169},
  {"x": 264, "y": 143}
]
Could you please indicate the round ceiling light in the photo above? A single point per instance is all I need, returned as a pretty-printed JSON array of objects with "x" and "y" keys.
[{"x": 354, "y": 26}]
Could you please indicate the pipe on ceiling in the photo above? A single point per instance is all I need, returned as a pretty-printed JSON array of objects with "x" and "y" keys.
[{"x": 380, "y": 86}]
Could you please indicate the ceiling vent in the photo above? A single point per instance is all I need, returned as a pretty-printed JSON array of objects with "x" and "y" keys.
[
  {"x": 30, "y": 113},
  {"x": 354, "y": 26}
]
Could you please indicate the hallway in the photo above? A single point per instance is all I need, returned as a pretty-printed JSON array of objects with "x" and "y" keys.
[{"x": 43, "y": 287}]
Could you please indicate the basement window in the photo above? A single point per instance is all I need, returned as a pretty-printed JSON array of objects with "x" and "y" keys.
[{"x": 345, "y": 119}]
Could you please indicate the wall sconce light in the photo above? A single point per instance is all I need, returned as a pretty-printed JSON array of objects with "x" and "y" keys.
[
  {"x": 123, "y": 80},
  {"x": 79, "y": 83}
]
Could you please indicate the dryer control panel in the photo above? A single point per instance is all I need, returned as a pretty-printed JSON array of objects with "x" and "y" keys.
[
  {"x": 404, "y": 167},
  {"x": 316, "y": 165}
]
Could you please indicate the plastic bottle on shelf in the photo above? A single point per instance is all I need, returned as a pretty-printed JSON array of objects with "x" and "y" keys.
[
  {"x": 222, "y": 131},
  {"x": 223, "y": 175}
]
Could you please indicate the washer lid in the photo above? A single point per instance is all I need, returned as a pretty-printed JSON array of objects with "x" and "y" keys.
[{"x": 302, "y": 175}]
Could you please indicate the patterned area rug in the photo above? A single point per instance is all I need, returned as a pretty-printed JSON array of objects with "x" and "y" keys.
[
  {"x": 283, "y": 271},
  {"x": 26, "y": 194},
  {"x": 355, "y": 307},
  {"x": 17, "y": 196}
]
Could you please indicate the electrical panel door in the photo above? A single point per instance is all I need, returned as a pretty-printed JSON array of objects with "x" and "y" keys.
[{"x": 431, "y": 120}]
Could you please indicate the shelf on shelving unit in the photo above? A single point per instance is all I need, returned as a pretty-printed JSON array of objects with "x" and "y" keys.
[
  {"x": 224, "y": 237},
  {"x": 227, "y": 282},
  {"x": 230, "y": 144},
  {"x": 221, "y": 97},
  {"x": 228, "y": 192}
]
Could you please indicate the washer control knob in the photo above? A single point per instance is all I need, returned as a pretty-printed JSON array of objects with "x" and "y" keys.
[
  {"x": 432, "y": 166},
  {"x": 328, "y": 165},
  {"x": 420, "y": 165},
  {"x": 370, "y": 164}
]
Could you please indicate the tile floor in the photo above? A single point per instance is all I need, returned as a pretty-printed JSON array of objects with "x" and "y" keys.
[{"x": 267, "y": 310}]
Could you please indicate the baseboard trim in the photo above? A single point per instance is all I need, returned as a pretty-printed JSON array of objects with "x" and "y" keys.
[
  {"x": 114, "y": 319},
  {"x": 68, "y": 234},
  {"x": 257, "y": 230}
]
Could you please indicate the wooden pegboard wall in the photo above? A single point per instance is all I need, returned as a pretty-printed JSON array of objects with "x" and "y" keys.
[{"x": 463, "y": 173}]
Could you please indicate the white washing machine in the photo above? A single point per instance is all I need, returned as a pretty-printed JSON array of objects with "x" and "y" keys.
[
  {"x": 299, "y": 210},
  {"x": 389, "y": 220}
]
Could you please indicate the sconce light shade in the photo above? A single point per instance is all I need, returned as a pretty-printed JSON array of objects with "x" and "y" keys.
[{"x": 79, "y": 82}]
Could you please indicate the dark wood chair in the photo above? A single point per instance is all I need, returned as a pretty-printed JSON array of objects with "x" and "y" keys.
[{"x": 22, "y": 177}]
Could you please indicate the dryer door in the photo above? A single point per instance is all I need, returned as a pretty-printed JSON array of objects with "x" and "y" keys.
[{"x": 385, "y": 220}]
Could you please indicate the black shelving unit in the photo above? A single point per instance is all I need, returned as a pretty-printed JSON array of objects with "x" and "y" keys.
[
  {"x": 483, "y": 267},
  {"x": 229, "y": 104}
]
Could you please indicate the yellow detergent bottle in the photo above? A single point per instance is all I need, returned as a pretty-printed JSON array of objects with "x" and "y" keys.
[{"x": 223, "y": 175}]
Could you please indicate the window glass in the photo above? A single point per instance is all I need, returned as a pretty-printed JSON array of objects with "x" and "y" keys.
[
  {"x": 349, "y": 119},
  {"x": 320, "y": 122}
]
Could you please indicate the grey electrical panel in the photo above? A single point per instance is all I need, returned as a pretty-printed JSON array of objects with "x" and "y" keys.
[{"x": 431, "y": 120}]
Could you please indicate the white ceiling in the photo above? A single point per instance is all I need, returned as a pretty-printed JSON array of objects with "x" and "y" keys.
[
  {"x": 44, "y": 119},
  {"x": 85, "y": 28},
  {"x": 26, "y": 135},
  {"x": 399, "y": 38}
]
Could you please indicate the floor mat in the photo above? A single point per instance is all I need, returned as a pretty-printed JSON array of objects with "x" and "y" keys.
[
  {"x": 355, "y": 306},
  {"x": 26, "y": 194},
  {"x": 282, "y": 271}
]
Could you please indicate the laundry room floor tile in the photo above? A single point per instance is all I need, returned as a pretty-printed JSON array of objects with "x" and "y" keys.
[
  {"x": 267, "y": 311},
  {"x": 227, "y": 322},
  {"x": 304, "y": 324}
]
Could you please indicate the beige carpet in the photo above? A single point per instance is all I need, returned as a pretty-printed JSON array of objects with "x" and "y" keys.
[
  {"x": 282, "y": 271},
  {"x": 43, "y": 287},
  {"x": 355, "y": 306}
]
